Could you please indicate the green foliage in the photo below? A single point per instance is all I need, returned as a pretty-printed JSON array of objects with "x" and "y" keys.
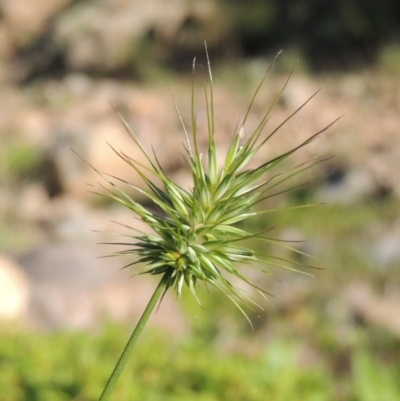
[
  {"x": 328, "y": 34},
  {"x": 389, "y": 59},
  {"x": 66, "y": 366},
  {"x": 372, "y": 381},
  {"x": 18, "y": 161}
]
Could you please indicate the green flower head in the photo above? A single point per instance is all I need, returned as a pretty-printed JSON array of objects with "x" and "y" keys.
[{"x": 195, "y": 238}]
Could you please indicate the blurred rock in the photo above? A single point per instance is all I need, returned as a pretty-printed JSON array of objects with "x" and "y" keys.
[
  {"x": 297, "y": 92},
  {"x": 78, "y": 84},
  {"x": 33, "y": 203},
  {"x": 382, "y": 311},
  {"x": 6, "y": 201},
  {"x": 349, "y": 187},
  {"x": 25, "y": 37},
  {"x": 385, "y": 250},
  {"x": 72, "y": 289},
  {"x": 36, "y": 126},
  {"x": 72, "y": 221},
  {"x": 91, "y": 126},
  {"x": 23, "y": 24},
  {"x": 14, "y": 289},
  {"x": 106, "y": 36},
  {"x": 111, "y": 36}
]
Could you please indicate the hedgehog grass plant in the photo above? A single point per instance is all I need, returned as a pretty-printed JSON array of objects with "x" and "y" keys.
[{"x": 195, "y": 239}]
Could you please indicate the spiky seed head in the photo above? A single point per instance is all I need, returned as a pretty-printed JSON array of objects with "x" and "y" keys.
[{"x": 195, "y": 239}]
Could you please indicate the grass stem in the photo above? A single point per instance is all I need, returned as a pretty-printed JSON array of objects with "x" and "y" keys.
[{"x": 119, "y": 367}]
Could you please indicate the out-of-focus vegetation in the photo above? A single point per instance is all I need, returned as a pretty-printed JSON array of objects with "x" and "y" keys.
[
  {"x": 329, "y": 34},
  {"x": 65, "y": 366},
  {"x": 18, "y": 162}
]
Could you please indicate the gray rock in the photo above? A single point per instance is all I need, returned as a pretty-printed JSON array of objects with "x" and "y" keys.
[
  {"x": 386, "y": 250},
  {"x": 109, "y": 35},
  {"x": 382, "y": 311},
  {"x": 72, "y": 289},
  {"x": 354, "y": 185}
]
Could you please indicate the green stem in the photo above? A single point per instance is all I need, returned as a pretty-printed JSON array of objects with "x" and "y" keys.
[{"x": 119, "y": 367}]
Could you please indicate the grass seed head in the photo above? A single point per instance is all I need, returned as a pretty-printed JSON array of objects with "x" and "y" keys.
[{"x": 195, "y": 238}]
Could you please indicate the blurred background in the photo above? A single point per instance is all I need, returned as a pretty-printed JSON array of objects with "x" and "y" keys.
[{"x": 66, "y": 314}]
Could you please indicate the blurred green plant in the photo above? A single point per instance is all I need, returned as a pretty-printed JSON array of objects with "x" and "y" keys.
[
  {"x": 328, "y": 35},
  {"x": 194, "y": 236},
  {"x": 389, "y": 59},
  {"x": 64, "y": 366},
  {"x": 18, "y": 160},
  {"x": 372, "y": 381}
]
